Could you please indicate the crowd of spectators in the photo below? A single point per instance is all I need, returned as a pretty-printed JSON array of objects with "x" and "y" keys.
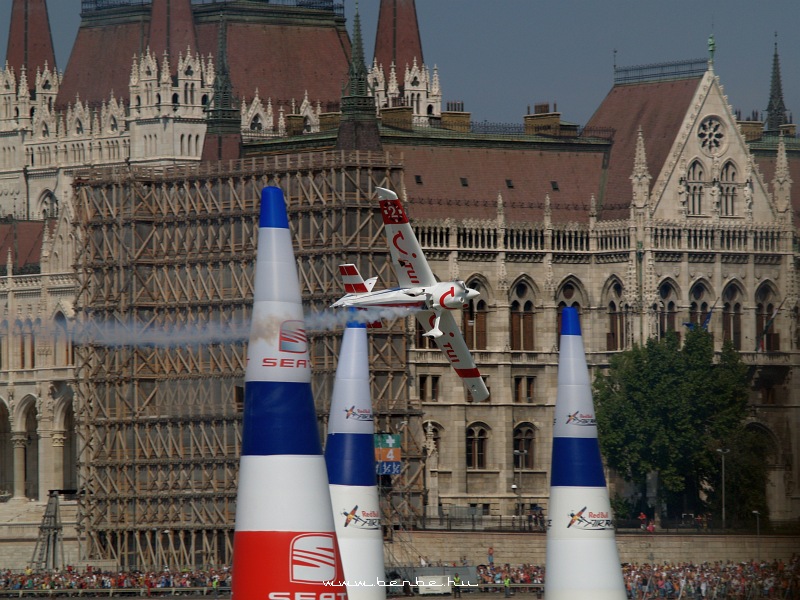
[
  {"x": 72, "y": 579},
  {"x": 712, "y": 580}
]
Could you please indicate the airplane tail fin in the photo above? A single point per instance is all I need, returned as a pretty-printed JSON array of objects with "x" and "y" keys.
[{"x": 353, "y": 282}]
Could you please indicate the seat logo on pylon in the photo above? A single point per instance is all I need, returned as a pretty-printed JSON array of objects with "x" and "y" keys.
[
  {"x": 313, "y": 558},
  {"x": 293, "y": 337}
]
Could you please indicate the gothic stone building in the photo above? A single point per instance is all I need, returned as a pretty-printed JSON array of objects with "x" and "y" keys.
[{"x": 644, "y": 224}]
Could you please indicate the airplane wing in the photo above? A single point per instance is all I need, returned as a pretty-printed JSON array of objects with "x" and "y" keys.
[
  {"x": 452, "y": 344},
  {"x": 408, "y": 261}
]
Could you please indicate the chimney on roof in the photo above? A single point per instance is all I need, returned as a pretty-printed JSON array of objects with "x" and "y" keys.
[{"x": 30, "y": 43}]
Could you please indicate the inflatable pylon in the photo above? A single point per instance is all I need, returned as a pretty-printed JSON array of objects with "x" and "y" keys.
[
  {"x": 350, "y": 456},
  {"x": 582, "y": 560},
  {"x": 284, "y": 544}
]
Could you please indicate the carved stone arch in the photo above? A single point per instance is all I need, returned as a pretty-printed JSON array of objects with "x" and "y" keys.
[
  {"x": 48, "y": 205},
  {"x": 733, "y": 300},
  {"x": 474, "y": 323},
  {"x": 62, "y": 403},
  {"x": 528, "y": 281},
  {"x": 665, "y": 307},
  {"x": 766, "y": 290},
  {"x": 572, "y": 291},
  {"x": 701, "y": 300},
  {"x": 618, "y": 313},
  {"x": 21, "y": 411},
  {"x": 773, "y": 456}
]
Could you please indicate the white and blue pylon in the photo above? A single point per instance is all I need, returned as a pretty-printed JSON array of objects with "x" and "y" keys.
[
  {"x": 582, "y": 561},
  {"x": 350, "y": 456},
  {"x": 284, "y": 542}
]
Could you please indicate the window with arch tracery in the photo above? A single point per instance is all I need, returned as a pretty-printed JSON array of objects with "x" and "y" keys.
[
  {"x": 522, "y": 317},
  {"x": 666, "y": 309},
  {"x": 474, "y": 320},
  {"x": 732, "y": 316},
  {"x": 524, "y": 437},
  {"x": 727, "y": 190},
  {"x": 700, "y": 305},
  {"x": 768, "y": 338},
  {"x": 695, "y": 188},
  {"x": 477, "y": 442},
  {"x": 616, "y": 335},
  {"x": 567, "y": 296}
]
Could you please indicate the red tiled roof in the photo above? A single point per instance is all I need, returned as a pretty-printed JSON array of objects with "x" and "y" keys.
[
  {"x": 282, "y": 61},
  {"x": 24, "y": 239},
  {"x": 101, "y": 62},
  {"x": 172, "y": 28},
  {"x": 281, "y": 52},
  {"x": 659, "y": 109},
  {"x": 397, "y": 39},
  {"x": 531, "y": 170},
  {"x": 29, "y": 40}
]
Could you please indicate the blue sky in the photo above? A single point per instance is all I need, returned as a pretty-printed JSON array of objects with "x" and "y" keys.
[{"x": 500, "y": 56}]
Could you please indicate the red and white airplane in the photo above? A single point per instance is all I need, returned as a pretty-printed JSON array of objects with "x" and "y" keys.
[{"x": 419, "y": 291}]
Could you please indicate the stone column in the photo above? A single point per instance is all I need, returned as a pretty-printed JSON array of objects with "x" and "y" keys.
[
  {"x": 58, "y": 438},
  {"x": 18, "y": 441}
]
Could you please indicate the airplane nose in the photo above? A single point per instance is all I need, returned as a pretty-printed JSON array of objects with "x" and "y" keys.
[{"x": 471, "y": 293}]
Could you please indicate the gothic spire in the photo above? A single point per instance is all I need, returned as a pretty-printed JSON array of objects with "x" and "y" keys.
[
  {"x": 776, "y": 109},
  {"x": 30, "y": 43},
  {"x": 358, "y": 129},
  {"x": 224, "y": 126}
]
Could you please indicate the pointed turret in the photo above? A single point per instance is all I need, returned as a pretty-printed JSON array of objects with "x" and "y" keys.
[
  {"x": 30, "y": 43},
  {"x": 397, "y": 41},
  {"x": 172, "y": 29},
  {"x": 776, "y": 109},
  {"x": 224, "y": 134},
  {"x": 358, "y": 129}
]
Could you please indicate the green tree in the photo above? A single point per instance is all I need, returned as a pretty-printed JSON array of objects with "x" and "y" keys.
[{"x": 666, "y": 408}]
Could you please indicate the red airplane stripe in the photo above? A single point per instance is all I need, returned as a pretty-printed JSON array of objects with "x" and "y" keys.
[{"x": 466, "y": 373}]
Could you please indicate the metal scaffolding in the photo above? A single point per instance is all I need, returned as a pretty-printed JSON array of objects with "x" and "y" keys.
[{"x": 165, "y": 266}]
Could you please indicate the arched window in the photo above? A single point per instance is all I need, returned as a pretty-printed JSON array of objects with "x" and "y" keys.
[
  {"x": 256, "y": 124},
  {"x": 666, "y": 309},
  {"x": 727, "y": 189},
  {"x": 616, "y": 335},
  {"x": 567, "y": 296},
  {"x": 694, "y": 187},
  {"x": 524, "y": 436},
  {"x": 522, "y": 317},
  {"x": 477, "y": 441},
  {"x": 700, "y": 305},
  {"x": 767, "y": 336},
  {"x": 474, "y": 320},
  {"x": 732, "y": 316}
]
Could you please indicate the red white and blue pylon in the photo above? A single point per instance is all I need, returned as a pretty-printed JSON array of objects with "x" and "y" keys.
[
  {"x": 350, "y": 456},
  {"x": 284, "y": 542},
  {"x": 582, "y": 560}
]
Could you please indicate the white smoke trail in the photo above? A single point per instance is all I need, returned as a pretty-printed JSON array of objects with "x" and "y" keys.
[{"x": 126, "y": 333}]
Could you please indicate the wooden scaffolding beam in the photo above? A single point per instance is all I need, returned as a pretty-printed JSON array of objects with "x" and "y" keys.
[{"x": 165, "y": 265}]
